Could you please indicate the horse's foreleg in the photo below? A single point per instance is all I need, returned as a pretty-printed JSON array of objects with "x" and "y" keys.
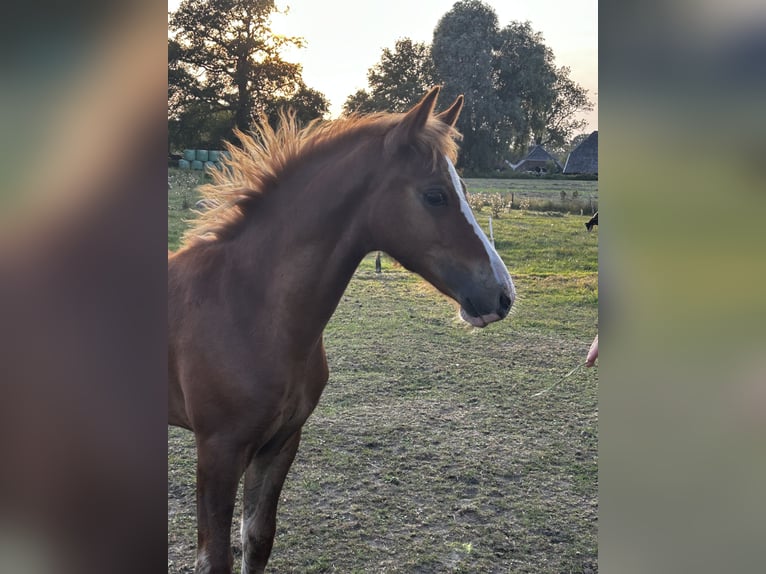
[
  {"x": 264, "y": 478},
  {"x": 219, "y": 468}
]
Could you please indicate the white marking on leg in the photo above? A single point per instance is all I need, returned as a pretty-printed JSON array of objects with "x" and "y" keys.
[
  {"x": 498, "y": 267},
  {"x": 203, "y": 563}
]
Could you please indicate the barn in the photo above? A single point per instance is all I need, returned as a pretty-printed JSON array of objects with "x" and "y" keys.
[
  {"x": 538, "y": 159},
  {"x": 584, "y": 158}
]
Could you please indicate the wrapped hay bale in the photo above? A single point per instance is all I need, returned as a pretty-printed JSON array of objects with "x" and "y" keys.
[
  {"x": 202, "y": 155},
  {"x": 184, "y": 164}
]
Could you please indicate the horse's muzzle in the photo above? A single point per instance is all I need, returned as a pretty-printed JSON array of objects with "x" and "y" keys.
[{"x": 478, "y": 315}]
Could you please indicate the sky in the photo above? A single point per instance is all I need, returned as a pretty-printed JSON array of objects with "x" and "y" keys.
[{"x": 344, "y": 38}]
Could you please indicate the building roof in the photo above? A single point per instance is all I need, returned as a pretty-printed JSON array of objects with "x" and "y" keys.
[
  {"x": 538, "y": 153},
  {"x": 584, "y": 158},
  {"x": 536, "y": 156}
]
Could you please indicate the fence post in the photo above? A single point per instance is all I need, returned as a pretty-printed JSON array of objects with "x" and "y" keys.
[{"x": 491, "y": 232}]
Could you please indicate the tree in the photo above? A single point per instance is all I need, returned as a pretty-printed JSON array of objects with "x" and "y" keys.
[
  {"x": 307, "y": 103},
  {"x": 464, "y": 44},
  {"x": 524, "y": 79},
  {"x": 515, "y": 94},
  {"x": 200, "y": 126},
  {"x": 360, "y": 101},
  {"x": 555, "y": 123},
  {"x": 180, "y": 81},
  {"x": 225, "y": 61},
  {"x": 398, "y": 81},
  {"x": 541, "y": 99}
]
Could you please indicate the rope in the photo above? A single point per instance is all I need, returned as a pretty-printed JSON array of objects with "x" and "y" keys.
[{"x": 557, "y": 383}]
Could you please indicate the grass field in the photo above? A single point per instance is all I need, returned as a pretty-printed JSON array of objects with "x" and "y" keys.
[
  {"x": 541, "y": 188},
  {"x": 428, "y": 452}
]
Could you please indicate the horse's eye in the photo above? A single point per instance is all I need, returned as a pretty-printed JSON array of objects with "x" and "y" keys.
[{"x": 435, "y": 197}]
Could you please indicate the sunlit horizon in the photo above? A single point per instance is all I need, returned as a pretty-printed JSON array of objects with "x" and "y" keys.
[{"x": 344, "y": 40}]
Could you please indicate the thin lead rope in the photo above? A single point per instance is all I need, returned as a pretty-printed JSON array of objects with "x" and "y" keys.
[{"x": 557, "y": 383}]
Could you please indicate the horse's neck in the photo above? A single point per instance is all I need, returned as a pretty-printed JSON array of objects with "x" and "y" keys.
[{"x": 304, "y": 247}]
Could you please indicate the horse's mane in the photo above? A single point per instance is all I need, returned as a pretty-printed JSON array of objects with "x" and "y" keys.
[{"x": 252, "y": 170}]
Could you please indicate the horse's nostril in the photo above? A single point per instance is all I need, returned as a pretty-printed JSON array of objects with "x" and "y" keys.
[{"x": 505, "y": 305}]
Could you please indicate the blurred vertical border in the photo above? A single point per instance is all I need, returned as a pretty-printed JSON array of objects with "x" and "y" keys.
[
  {"x": 83, "y": 232},
  {"x": 682, "y": 233},
  {"x": 82, "y": 287}
]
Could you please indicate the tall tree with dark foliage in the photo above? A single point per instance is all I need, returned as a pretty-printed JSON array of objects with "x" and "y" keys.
[{"x": 226, "y": 68}]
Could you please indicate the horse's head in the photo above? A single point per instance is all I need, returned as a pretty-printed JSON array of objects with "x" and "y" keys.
[{"x": 420, "y": 216}]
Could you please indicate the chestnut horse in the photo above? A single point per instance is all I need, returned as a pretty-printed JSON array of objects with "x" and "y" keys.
[{"x": 260, "y": 275}]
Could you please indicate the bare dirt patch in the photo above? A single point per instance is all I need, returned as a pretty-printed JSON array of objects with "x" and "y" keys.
[{"x": 428, "y": 452}]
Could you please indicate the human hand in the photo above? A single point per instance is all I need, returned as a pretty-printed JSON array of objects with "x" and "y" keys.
[{"x": 592, "y": 353}]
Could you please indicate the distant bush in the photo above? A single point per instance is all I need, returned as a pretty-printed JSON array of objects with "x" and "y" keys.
[
  {"x": 475, "y": 201},
  {"x": 499, "y": 203},
  {"x": 182, "y": 184},
  {"x": 569, "y": 205}
]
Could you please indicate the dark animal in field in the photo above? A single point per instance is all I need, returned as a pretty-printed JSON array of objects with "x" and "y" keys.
[{"x": 591, "y": 222}]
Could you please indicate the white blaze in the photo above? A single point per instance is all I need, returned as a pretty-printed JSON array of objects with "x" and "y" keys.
[{"x": 498, "y": 267}]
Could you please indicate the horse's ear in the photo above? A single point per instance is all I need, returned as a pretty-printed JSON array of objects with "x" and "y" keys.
[
  {"x": 451, "y": 114},
  {"x": 415, "y": 120}
]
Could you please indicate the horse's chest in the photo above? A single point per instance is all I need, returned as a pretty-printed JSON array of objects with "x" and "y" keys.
[
  {"x": 302, "y": 389},
  {"x": 304, "y": 392}
]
